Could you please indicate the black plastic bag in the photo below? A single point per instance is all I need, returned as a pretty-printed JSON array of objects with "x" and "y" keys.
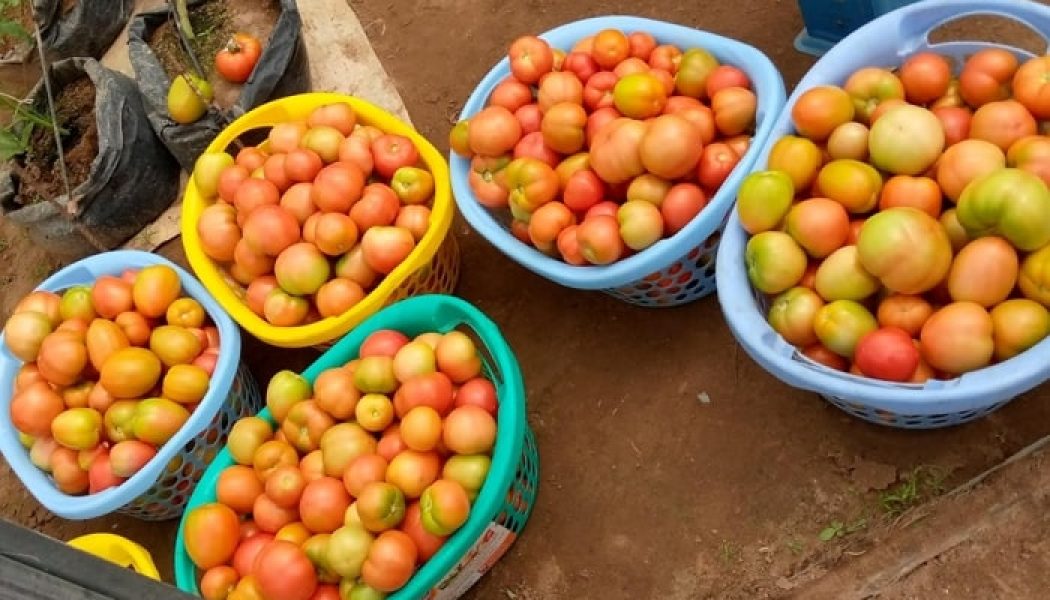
[
  {"x": 282, "y": 70},
  {"x": 133, "y": 178},
  {"x": 88, "y": 29}
]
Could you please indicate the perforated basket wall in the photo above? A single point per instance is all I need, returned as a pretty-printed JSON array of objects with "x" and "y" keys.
[
  {"x": 167, "y": 498},
  {"x": 689, "y": 278}
]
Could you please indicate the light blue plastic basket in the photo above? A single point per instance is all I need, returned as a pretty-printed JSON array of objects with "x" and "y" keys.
[
  {"x": 887, "y": 40},
  {"x": 161, "y": 489},
  {"x": 675, "y": 270}
]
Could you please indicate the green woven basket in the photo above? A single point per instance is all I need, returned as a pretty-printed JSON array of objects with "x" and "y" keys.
[{"x": 505, "y": 502}]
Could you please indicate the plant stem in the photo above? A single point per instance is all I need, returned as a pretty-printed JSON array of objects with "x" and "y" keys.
[
  {"x": 69, "y": 210},
  {"x": 184, "y": 18}
]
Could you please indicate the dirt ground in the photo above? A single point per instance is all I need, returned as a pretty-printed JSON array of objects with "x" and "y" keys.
[{"x": 671, "y": 465}]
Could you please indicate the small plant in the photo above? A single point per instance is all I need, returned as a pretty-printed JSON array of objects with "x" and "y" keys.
[
  {"x": 922, "y": 483},
  {"x": 838, "y": 529},
  {"x": 15, "y": 136},
  {"x": 11, "y": 28},
  {"x": 795, "y": 545},
  {"x": 727, "y": 551}
]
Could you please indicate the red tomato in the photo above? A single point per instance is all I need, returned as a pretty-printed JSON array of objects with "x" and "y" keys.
[
  {"x": 511, "y": 94},
  {"x": 237, "y": 58},
  {"x": 430, "y": 389},
  {"x": 426, "y": 543},
  {"x": 726, "y": 76},
  {"x": 986, "y": 76},
  {"x": 493, "y": 132},
  {"x": 478, "y": 392},
  {"x": 666, "y": 57},
  {"x": 600, "y": 118},
  {"x": 391, "y": 152},
  {"x": 926, "y": 77},
  {"x": 642, "y": 44},
  {"x": 956, "y": 123},
  {"x": 323, "y": 504},
  {"x": 598, "y": 91},
  {"x": 530, "y": 59},
  {"x": 583, "y": 190},
  {"x": 248, "y": 551},
  {"x": 532, "y": 145},
  {"x": 391, "y": 561},
  {"x": 716, "y": 163},
  {"x": 580, "y": 64},
  {"x": 529, "y": 118},
  {"x": 1031, "y": 86},
  {"x": 682, "y": 202},
  {"x": 819, "y": 353},
  {"x": 282, "y": 570},
  {"x": 384, "y": 342},
  {"x": 887, "y": 353},
  {"x": 211, "y": 534}
]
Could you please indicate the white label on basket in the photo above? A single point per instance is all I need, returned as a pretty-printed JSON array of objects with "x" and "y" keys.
[{"x": 493, "y": 544}]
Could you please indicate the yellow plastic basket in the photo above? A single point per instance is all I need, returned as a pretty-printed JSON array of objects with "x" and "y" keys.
[
  {"x": 119, "y": 551},
  {"x": 432, "y": 267}
]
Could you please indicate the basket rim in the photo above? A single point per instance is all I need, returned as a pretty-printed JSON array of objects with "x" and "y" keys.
[
  {"x": 328, "y": 328},
  {"x": 971, "y": 391},
  {"x": 769, "y": 87},
  {"x": 442, "y": 313},
  {"x": 95, "y": 505}
]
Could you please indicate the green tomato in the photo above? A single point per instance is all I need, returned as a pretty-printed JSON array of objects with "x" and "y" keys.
[{"x": 1009, "y": 202}]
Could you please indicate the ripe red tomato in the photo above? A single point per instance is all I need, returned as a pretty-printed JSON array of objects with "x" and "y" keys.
[
  {"x": 282, "y": 570},
  {"x": 391, "y": 152},
  {"x": 583, "y": 190},
  {"x": 533, "y": 146},
  {"x": 237, "y": 58},
  {"x": 530, "y": 59},
  {"x": 716, "y": 163},
  {"x": 887, "y": 353},
  {"x": 479, "y": 392},
  {"x": 580, "y": 64}
]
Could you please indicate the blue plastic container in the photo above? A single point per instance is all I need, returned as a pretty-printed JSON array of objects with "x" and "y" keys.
[
  {"x": 887, "y": 40},
  {"x": 675, "y": 270},
  {"x": 828, "y": 21},
  {"x": 161, "y": 489}
]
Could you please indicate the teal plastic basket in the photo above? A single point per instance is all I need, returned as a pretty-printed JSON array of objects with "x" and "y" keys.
[{"x": 505, "y": 501}]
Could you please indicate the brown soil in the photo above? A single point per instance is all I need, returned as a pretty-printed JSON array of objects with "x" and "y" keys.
[
  {"x": 22, "y": 14},
  {"x": 214, "y": 22},
  {"x": 41, "y": 173}
]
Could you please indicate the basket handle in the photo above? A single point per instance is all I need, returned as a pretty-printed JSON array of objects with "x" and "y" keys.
[{"x": 915, "y": 22}]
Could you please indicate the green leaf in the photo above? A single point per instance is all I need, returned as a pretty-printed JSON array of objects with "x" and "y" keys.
[
  {"x": 10, "y": 145},
  {"x": 828, "y": 533},
  {"x": 12, "y": 29}
]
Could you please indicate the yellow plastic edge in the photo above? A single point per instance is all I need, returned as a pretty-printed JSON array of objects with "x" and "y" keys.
[
  {"x": 298, "y": 107},
  {"x": 117, "y": 550}
]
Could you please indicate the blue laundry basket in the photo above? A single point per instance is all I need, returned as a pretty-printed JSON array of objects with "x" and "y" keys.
[
  {"x": 828, "y": 21},
  {"x": 675, "y": 270},
  {"x": 887, "y": 40},
  {"x": 160, "y": 490}
]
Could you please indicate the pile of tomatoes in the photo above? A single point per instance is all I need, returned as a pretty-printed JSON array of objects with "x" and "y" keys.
[
  {"x": 111, "y": 372},
  {"x": 602, "y": 152},
  {"x": 315, "y": 217},
  {"x": 363, "y": 479},
  {"x": 905, "y": 229}
]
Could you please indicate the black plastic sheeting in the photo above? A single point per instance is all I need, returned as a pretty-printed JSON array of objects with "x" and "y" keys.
[
  {"x": 87, "y": 30},
  {"x": 133, "y": 178},
  {"x": 282, "y": 70}
]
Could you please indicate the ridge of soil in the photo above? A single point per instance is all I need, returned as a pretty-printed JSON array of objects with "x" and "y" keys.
[
  {"x": 41, "y": 175},
  {"x": 214, "y": 22}
]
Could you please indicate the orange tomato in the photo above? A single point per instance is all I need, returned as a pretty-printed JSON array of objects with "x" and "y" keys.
[
  {"x": 211, "y": 533},
  {"x": 922, "y": 193},
  {"x": 391, "y": 561},
  {"x": 323, "y": 503},
  {"x": 1002, "y": 123},
  {"x": 986, "y": 76},
  {"x": 819, "y": 110},
  {"x": 610, "y": 47},
  {"x": 238, "y": 487}
]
